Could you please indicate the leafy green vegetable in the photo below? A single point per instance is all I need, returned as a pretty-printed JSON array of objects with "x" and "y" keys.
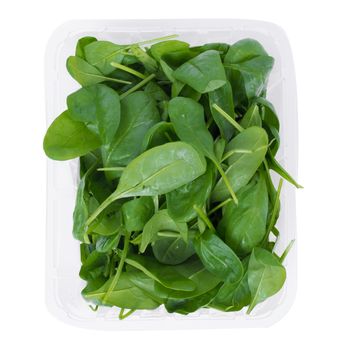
[
  {"x": 86, "y": 74},
  {"x": 246, "y": 153},
  {"x": 157, "y": 225},
  {"x": 139, "y": 112},
  {"x": 218, "y": 258},
  {"x": 244, "y": 225},
  {"x": 204, "y": 73},
  {"x": 67, "y": 138},
  {"x": 172, "y": 250},
  {"x": 161, "y": 221},
  {"x": 137, "y": 212},
  {"x": 98, "y": 106},
  {"x": 266, "y": 276},
  {"x": 157, "y": 171}
]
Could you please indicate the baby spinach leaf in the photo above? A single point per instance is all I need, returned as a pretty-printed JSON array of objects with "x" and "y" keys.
[
  {"x": 97, "y": 105},
  {"x": 266, "y": 276},
  {"x": 148, "y": 62},
  {"x": 138, "y": 113},
  {"x": 124, "y": 295},
  {"x": 137, "y": 212},
  {"x": 94, "y": 266},
  {"x": 86, "y": 74},
  {"x": 203, "y": 73},
  {"x": 187, "y": 117},
  {"x": 222, "y": 97},
  {"x": 193, "y": 270},
  {"x": 277, "y": 167},
  {"x": 218, "y": 258},
  {"x": 109, "y": 224},
  {"x": 244, "y": 225},
  {"x": 81, "y": 209},
  {"x": 248, "y": 66},
  {"x": 156, "y": 92},
  {"x": 233, "y": 296},
  {"x": 181, "y": 201},
  {"x": 158, "y": 50},
  {"x": 172, "y": 250},
  {"x": 67, "y": 138},
  {"x": 248, "y": 151},
  {"x": 161, "y": 221},
  {"x": 102, "y": 53},
  {"x": 251, "y": 117},
  {"x": 106, "y": 243},
  {"x": 163, "y": 274},
  {"x": 82, "y": 42},
  {"x": 188, "y": 305},
  {"x": 157, "y": 171},
  {"x": 159, "y": 134}
]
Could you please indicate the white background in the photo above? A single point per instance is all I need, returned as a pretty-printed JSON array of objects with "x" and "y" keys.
[{"x": 319, "y": 35}]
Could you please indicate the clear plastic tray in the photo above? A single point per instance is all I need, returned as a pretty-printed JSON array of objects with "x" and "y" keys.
[{"x": 63, "y": 284}]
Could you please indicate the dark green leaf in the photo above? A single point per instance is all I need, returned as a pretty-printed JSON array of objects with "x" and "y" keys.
[
  {"x": 203, "y": 73},
  {"x": 218, "y": 258},
  {"x": 67, "y": 138}
]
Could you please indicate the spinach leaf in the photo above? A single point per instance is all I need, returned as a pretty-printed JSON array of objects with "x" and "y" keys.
[
  {"x": 266, "y": 276},
  {"x": 124, "y": 295},
  {"x": 161, "y": 221},
  {"x": 162, "y": 48},
  {"x": 194, "y": 271},
  {"x": 102, "y": 53},
  {"x": 247, "y": 151},
  {"x": 163, "y": 274},
  {"x": 157, "y": 171},
  {"x": 172, "y": 250},
  {"x": 187, "y": 117},
  {"x": 106, "y": 243},
  {"x": 137, "y": 212},
  {"x": 82, "y": 42},
  {"x": 244, "y": 225},
  {"x": 86, "y": 74},
  {"x": 67, "y": 138},
  {"x": 181, "y": 201},
  {"x": 233, "y": 296},
  {"x": 204, "y": 73},
  {"x": 159, "y": 134},
  {"x": 248, "y": 66},
  {"x": 99, "y": 106},
  {"x": 138, "y": 113},
  {"x": 222, "y": 97},
  {"x": 218, "y": 258}
]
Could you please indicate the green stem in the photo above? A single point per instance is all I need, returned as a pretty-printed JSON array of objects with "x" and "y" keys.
[
  {"x": 123, "y": 316},
  {"x": 137, "y": 86},
  {"x": 227, "y": 117},
  {"x": 109, "y": 200},
  {"x": 204, "y": 217},
  {"x": 168, "y": 234},
  {"x": 226, "y": 181},
  {"x": 222, "y": 204},
  {"x": 116, "y": 168},
  {"x": 287, "y": 250},
  {"x": 115, "y": 80},
  {"x": 155, "y": 203},
  {"x": 120, "y": 267},
  {"x": 128, "y": 69},
  {"x": 235, "y": 151},
  {"x": 274, "y": 211},
  {"x": 151, "y": 41}
]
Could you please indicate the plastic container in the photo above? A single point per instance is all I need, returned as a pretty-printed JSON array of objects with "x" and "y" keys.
[{"x": 63, "y": 284}]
